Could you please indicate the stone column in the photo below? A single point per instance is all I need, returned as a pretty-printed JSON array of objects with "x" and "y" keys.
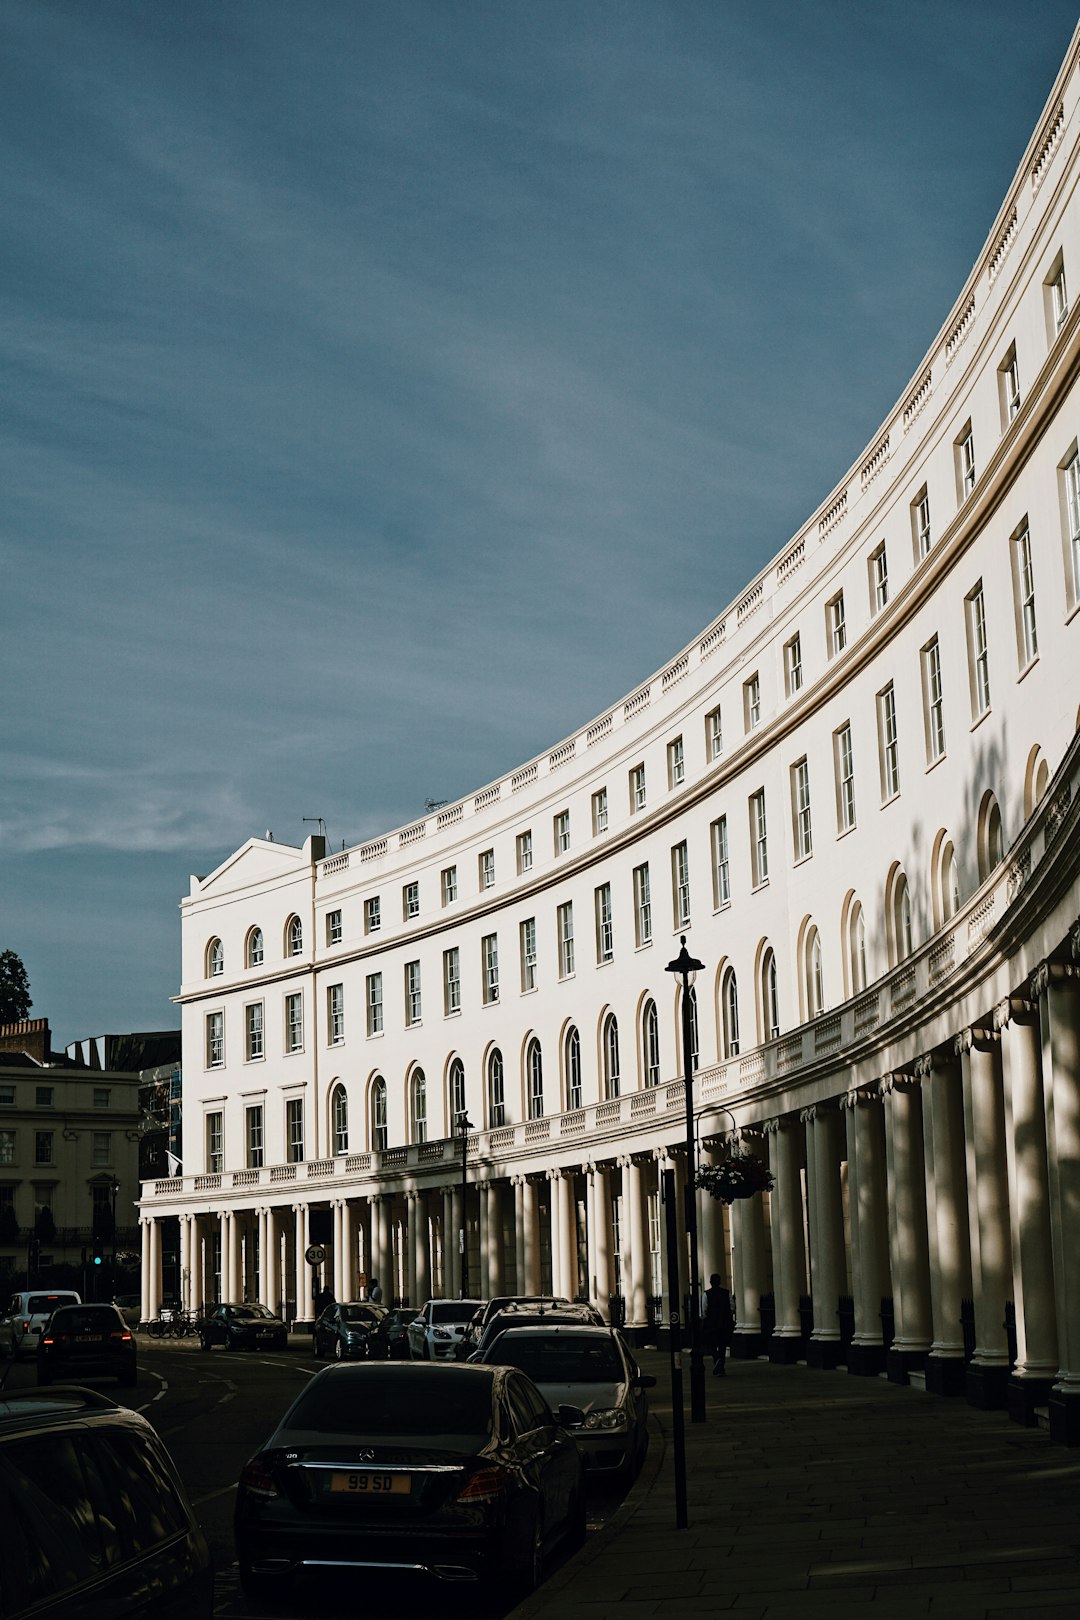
[
  {"x": 637, "y": 1300},
  {"x": 531, "y": 1225},
  {"x": 713, "y": 1245},
  {"x": 496, "y": 1215},
  {"x": 1059, "y": 1016},
  {"x": 909, "y": 1244},
  {"x": 565, "y": 1190},
  {"x": 868, "y": 1207},
  {"x": 412, "y": 1246},
  {"x": 988, "y": 1373},
  {"x": 422, "y": 1245},
  {"x": 145, "y": 1223},
  {"x": 155, "y": 1268},
  {"x": 826, "y": 1209},
  {"x": 602, "y": 1275},
  {"x": 784, "y": 1137},
  {"x": 272, "y": 1297},
  {"x": 449, "y": 1244},
  {"x": 185, "y": 1262},
  {"x": 335, "y": 1258},
  {"x": 348, "y": 1252},
  {"x": 305, "y": 1290},
  {"x": 456, "y": 1237},
  {"x": 518, "y": 1185},
  {"x": 198, "y": 1270},
  {"x": 750, "y": 1274},
  {"x": 946, "y": 1369},
  {"x": 382, "y": 1217}
]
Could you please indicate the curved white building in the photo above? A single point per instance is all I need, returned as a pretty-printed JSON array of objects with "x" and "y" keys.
[{"x": 857, "y": 794}]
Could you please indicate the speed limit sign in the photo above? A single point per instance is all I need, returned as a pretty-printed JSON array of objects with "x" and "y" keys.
[{"x": 315, "y": 1254}]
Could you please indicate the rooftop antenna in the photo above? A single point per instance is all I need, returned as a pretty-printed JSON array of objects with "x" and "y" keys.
[
  {"x": 321, "y": 822},
  {"x": 435, "y": 804}
]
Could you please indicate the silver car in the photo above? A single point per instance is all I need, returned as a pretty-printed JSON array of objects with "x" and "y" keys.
[{"x": 435, "y": 1334}]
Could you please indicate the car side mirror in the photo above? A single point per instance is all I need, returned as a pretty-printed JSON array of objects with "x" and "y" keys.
[
  {"x": 569, "y": 1417},
  {"x": 645, "y": 1381}
]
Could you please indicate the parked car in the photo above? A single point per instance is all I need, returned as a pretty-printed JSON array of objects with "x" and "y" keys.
[
  {"x": 394, "y": 1332},
  {"x": 96, "y": 1521},
  {"x": 130, "y": 1308},
  {"x": 490, "y": 1308},
  {"x": 26, "y": 1315},
  {"x": 461, "y": 1472},
  {"x": 86, "y": 1341},
  {"x": 523, "y": 1313},
  {"x": 242, "y": 1327},
  {"x": 588, "y": 1367},
  {"x": 350, "y": 1332},
  {"x": 435, "y": 1334}
]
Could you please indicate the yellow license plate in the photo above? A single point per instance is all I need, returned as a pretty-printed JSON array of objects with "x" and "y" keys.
[{"x": 369, "y": 1483}]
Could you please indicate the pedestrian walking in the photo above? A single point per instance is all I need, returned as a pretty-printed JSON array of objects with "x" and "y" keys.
[
  {"x": 718, "y": 1328},
  {"x": 375, "y": 1292}
]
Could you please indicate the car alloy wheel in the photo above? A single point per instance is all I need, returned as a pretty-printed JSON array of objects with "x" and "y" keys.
[
  {"x": 339, "y": 1350},
  {"x": 204, "y": 1341}
]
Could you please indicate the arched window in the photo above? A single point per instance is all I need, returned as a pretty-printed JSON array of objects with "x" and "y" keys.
[
  {"x": 859, "y": 974},
  {"x": 898, "y": 930},
  {"x": 534, "y": 1079},
  {"x": 945, "y": 877},
  {"x": 294, "y": 937},
  {"x": 991, "y": 839},
  {"x": 255, "y": 948},
  {"x": 215, "y": 959},
  {"x": 650, "y": 1029},
  {"x": 496, "y": 1088},
  {"x": 378, "y": 1114},
  {"x": 339, "y": 1120},
  {"x": 573, "y": 1070},
  {"x": 695, "y": 1044},
  {"x": 729, "y": 1001},
  {"x": 1036, "y": 780},
  {"x": 611, "y": 1056},
  {"x": 457, "y": 1095},
  {"x": 419, "y": 1106},
  {"x": 770, "y": 1000},
  {"x": 815, "y": 974}
]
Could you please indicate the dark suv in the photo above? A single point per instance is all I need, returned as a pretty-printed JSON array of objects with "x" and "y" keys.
[{"x": 95, "y": 1519}]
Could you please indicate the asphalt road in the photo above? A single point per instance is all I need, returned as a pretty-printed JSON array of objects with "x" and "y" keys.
[{"x": 213, "y": 1411}]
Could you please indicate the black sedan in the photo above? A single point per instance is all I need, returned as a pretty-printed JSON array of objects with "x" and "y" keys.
[
  {"x": 394, "y": 1333},
  {"x": 350, "y": 1332},
  {"x": 462, "y": 1473},
  {"x": 86, "y": 1341},
  {"x": 242, "y": 1327}
]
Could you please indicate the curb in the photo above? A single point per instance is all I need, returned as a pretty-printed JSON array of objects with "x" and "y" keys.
[{"x": 598, "y": 1544}]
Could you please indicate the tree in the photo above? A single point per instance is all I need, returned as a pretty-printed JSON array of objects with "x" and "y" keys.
[{"x": 15, "y": 1002}]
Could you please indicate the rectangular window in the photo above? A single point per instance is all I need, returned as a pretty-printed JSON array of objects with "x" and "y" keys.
[
  {"x": 721, "y": 868},
  {"x": 887, "y": 743},
  {"x": 1071, "y": 478},
  {"x": 1057, "y": 298},
  {"x": 413, "y": 1008},
  {"x": 637, "y": 789},
  {"x": 487, "y": 869},
  {"x": 978, "y": 656},
  {"x": 294, "y": 1129},
  {"x": 964, "y": 449},
  {"x": 752, "y": 703},
  {"x": 7, "y": 1147},
  {"x": 642, "y": 906},
  {"x": 879, "y": 579},
  {"x": 410, "y": 901},
  {"x": 933, "y": 704},
  {"x": 759, "y": 846},
  {"x": 7, "y": 1096},
  {"x": 562, "y": 832},
  {"x": 489, "y": 955},
  {"x": 605, "y": 939},
  {"x": 101, "y": 1096},
  {"x": 836, "y": 624},
  {"x": 680, "y": 885},
  {"x": 374, "y": 1004},
  {"x": 1024, "y": 591},
  {"x": 565, "y": 916},
  {"x": 372, "y": 915},
  {"x": 451, "y": 964},
  {"x": 714, "y": 734},
  {"x": 920, "y": 524},
  {"x": 43, "y": 1147},
  {"x": 524, "y": 852},
  {"x": 793, "y": 670},
  {"x": 528, "y": 954},
  {"x": 215, "y": 1040},
  {"x": 215, "y": 1143},
  {"x": 254, "y": 1123},
  {"x": 800, "y": 809},
  {"x": 599, "y": 812},
  {"x": 333, "y": 927},
  {"x": 43, "y": 1096},
  {"x": 101, "y": 1149},
  {"x": 449, "y": 885},
  {"x": 1009, "y": 387},
  {"x": 294, "y": 1021},
  {"x": 676, "y": 763},
  {"x": 845, "y": 778},
  {"x": 335, "y": 1014}
]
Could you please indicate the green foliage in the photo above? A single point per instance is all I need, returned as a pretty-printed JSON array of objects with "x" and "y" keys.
[
  {"x": 740, "y": 1176},
  {"x": 15, "y": 1002}
]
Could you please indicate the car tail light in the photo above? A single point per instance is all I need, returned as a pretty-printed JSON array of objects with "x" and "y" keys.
[
  {"x": 257, "y": 1478},
  {"x": 122, "y": 1338},
  {"x": 47, "y": 1341},
  {"x": 26, "y": 1325},
  {"x": 484, "y": 1485}
]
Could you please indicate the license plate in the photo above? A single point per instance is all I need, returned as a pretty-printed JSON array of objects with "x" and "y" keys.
[
  {"x": 89, "y": 1338},
  {"x": 368, "y": 1483}
]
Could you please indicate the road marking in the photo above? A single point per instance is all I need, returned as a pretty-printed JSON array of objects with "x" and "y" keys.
[{"x": 164, "y": 1390}]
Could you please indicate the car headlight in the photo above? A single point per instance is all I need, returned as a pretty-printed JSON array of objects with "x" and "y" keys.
[
  {"x": 612, "y": 1417},
  {"x": 441, "y": 1333}
]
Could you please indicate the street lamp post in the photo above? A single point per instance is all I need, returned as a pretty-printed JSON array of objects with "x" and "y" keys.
[
  {"x": 465, "y": 1126},
  {"x": 114, "y": 1188},
  {"x": 686, "y": 966}
]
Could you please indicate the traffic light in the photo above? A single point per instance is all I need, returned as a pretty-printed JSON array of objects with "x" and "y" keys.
[{"x": 99, "y": 1249}]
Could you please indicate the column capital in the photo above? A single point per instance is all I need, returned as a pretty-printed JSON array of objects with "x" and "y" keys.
[
  {"x": 1048, "y": 973},
  {"x": 807, "y": 1116},
  {"x": 1074, "y": 940},
  {"x": 890, "y": 1083},
  {"x": 772, "y": 1126},
  {"x": 972, "y": 1039},
  {"x": 1014, "y": 1009}
]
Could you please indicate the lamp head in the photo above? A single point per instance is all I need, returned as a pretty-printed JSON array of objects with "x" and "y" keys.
[{"x": 684, "y": 963}]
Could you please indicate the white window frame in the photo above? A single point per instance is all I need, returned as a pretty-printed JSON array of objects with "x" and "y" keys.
[
  {"x": 215, "y": 1142},
  {"x": 534, "y": 1075},
  {"x": 721, "y": 863},
  {"x": 452, "y": 980},
  {"x": 372, "y": 914},
  {"x": 1071, "y": 479},
  {"x": 933, "y": 701},
  {"x": 800, "y": 809},
  {"x": 414, "y": 1006},
  {"x": 527, "y": 937},
  {"x": 637, "y": 789},
  {"x": 965, "y": 462},
  {"x": 680, "y": 884},
  {"x": 759, "y": 838},
  {"x": 1057, "y": 298},
  {"x": 1027, "y": 638},
  {"x": 448, "y": 880},
  {"x": 836, "y": 617},
  {"x": 489, "y": 955},
  {"x": 294, "y": 1021},
  {"x": 978, "y": 653},
  {"x": 496, "y": 1089},
  {"x": 650, "y": 1038},
  {"x": 296, "y": 937},
  {"x": 216, "y": 959},
  {"x": 714, "y": 733},
  {"x": 215, "y": 1040},
  {"x": 676, "y": 763},
  {"x": 339, "y": 1121},
  {"x": 487, "y": 869},
  {"x": 333, "y": 927},
  {"x": 374, "y": 1003},
  {"x": 752, "y": 701},
  {"x": 844, "y": 759},
  {"x": 1009, "y": 384},
  {"x": 600, "y": 811},
  {"x": 642, "y": 906},
  {"x": 562, "y": 832},
  {"x": 380, "y": 1128},
  {"x": 879, "y": 578},
  {"x": 294, "y": 1130},
  {"x": 888, "y": 743},
  {"x": 565, "y": 920},
  {"x": 922, "y": 536},
  {"x": 524, "y": 852},
  {"x": 573, "y": 1070},
  {"x": 410, "y": 901},
  {"x": 793, "y": 665},
  {"x": 605, "y": 933},
  {"x": 254, "y": 1136},
  {"x": 335, "y": 1015}
]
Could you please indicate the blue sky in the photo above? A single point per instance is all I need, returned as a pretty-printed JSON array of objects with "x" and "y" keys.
[{"x": 391, "y": 387}]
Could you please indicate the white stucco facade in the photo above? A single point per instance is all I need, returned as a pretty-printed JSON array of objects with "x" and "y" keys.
[{"x": 910, "y": 1068}]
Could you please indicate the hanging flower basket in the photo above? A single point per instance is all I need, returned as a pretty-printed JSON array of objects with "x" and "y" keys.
[{"x": 740, "y": 1176}]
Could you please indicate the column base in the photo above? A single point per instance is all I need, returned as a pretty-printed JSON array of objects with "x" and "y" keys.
[
  {"x": 1025, "y": 1396},
  {"x": 1064, "y": 1418},
  {"x": 823, "y": 1353},
  {"x": 987, "y": 1387},
  {"x": 785, "y": 1352},
  {"x": 746, "y": 1346},
  {"x": 946, "y": 1375},
  {"x": 899, "y": 1364},
  {"x": 865, "y": 1360}
]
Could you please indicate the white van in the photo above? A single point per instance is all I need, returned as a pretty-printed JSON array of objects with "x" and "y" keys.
[{"x": 26, "y": 1315}]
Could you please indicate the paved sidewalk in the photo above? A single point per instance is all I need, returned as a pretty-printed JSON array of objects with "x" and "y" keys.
[{"x": 815, "y": 1493}]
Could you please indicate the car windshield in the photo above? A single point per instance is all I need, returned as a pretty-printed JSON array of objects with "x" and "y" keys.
[
  {"x": 246, "y": 1311},
  {"x": 558, "y": 1360},
  {"x": 360, "y": 1313},
  {"x": 85, "y": 1319},
  {"x": 452, "y": 1310},
  {"x": 45, "y": 1304},
  {"x": 413, "y": 1402}
]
